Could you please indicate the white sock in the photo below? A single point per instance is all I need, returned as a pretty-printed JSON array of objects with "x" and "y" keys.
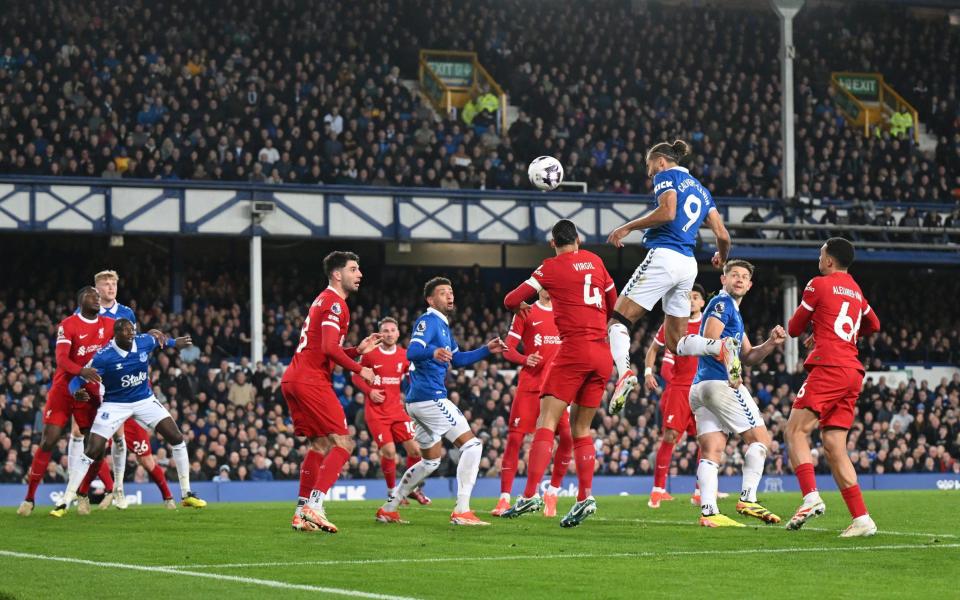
[
  {"x": 620, "y": 347},
  {"x": 183, "y": 467},
  {"x": 505, "y": 496},
  {"x": 697, "y": 345},
  {"x": 753, "y": 461},
  {"x": 410, "y": 480},
  {"x": 74, "y": 452},
  {"x": 77, "y": 473},
  {"x": 470, "y": 455},
  {"x": 316, "y": 500},
  {"x": 659, "y": 489},
  {"x": 707, "y": 478},
  {"x": 553, "y": 490},
  {"x": 812, "y": 498},
  {"x": 118, "y": 453}
]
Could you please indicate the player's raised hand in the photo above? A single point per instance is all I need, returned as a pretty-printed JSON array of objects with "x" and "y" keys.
[
  {"x": 81, "y": 395},
  {"x": 716, "y": 261},
  {"x": 533, "y": 359},
  {"x": 442, "y": 355},
  {"x": 90, "y": 374},
  {"x": 369, "y": 343},
  {"x": 650, "y": 382},
  {"x": 523, "y": 309},
  {"x": 496, "y": 346},
  {"x": 778, "y": 335},
  {"x": 159, "y": 336},
  {"x": 367, "y": 374},
  {"x": 616, "y": 236},
  {"x": 377, "y": 396}
]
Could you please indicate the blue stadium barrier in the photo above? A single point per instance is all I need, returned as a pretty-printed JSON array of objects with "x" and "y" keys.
[{"x": 374, "y": 489}]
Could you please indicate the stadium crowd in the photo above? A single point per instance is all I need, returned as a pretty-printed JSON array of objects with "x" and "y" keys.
[
  {"x": 205, "y": 92},
  {"x": 238, "y": 428}
]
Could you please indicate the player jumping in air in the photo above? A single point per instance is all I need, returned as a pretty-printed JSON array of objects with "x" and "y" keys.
[
  {"x": 582, "y": 293},
  {"x": 721, "y": 410},
  {"x": 669, "y": 270},
  {"x": 79, "y": 336},
  {"x": 537, "y": 331},
  {"x": 433, "y": 351},
  {"x": 678, "y": 372},
  {"x": 308, "y": 389},
  {"x": 840, "y": 314},
  {"x": 123, "y": 368},
  {"x": 387, "y": 421}
]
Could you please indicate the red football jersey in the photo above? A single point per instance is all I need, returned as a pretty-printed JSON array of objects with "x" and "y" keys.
[
  {"x": 388, "y": 369},
  {"x": 580, "y": 288},
  {"x": 328, "y": 315},
  {"x": 84, "y": 338},
  {"x": 678, "y": 369},
  {"x": 537, "y": 331},
  {"x": 840, "y": 314}
]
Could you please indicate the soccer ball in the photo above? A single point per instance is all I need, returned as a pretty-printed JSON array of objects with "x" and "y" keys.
[{"x": 545, "y": 173}]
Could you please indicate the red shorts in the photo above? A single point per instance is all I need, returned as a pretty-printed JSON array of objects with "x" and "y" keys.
[
  {"x": 61, "y": 406},
  {"x": 314, "y": 408},
  {"x": 675, "y": 408},
  {"x": 832, "y": 393},
  {"x": 136, "y": 438},
  {"x": 390, "y": 430},
  {"x": 579, "y": 373}
]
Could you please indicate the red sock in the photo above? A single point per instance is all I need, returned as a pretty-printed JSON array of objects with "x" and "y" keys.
[
  {"x": 806, "y": 477},
  {"x": 38, "y": 467},
  {"x": 157, "y": 475},
  {"x": 511, "y": 457},
  {"x": 585, "y": 455},
  {"x": 854, "y": 500},
  {"x": 389, "y": 467},
  {"x": 538, "y": 460},
  {"x": 329, "y": 471},
  {"x": 562, "y": 457},
  {"x": 88, "y": 478},
  {"x": 412, "y": 460},
  {"x": 309, "y": 468},
  {"x": 106, "y": 476},
  {"x": 662, "y": 469}
]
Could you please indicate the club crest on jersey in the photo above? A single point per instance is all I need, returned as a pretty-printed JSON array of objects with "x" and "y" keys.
[
  {"x": 104, "y": 416},
  {"x": 335, "y": 308},
  {"x": 100, "y": 332}
]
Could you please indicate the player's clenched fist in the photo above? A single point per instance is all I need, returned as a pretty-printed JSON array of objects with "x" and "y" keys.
[{"x": 778, "y": 335}]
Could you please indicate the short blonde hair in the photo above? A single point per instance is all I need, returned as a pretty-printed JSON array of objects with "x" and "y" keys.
[{"x": 108, "y": 274}]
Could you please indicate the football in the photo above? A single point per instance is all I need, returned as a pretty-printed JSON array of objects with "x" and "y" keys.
[{"x": 545, "y": 173}]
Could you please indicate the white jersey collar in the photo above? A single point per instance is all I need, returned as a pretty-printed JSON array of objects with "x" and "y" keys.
[
  {"x": 439, "y": 314},
  {"x": 123, "y": 353},
  {"x": 542, "y": 307}
]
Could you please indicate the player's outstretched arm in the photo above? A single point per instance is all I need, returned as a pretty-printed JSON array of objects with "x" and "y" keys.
[
  {"x": 715, "y": 223},
  {"x": 665, "y": 212},
  {"x": 462, "y": 359},
  {"x": 751, "y": 355}
]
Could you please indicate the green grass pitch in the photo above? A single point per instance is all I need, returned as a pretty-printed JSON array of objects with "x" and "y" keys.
[{"x": 625, "y": 551}]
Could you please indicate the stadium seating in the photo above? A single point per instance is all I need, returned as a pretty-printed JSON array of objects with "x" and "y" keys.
[{"x": 190, "y": 91}]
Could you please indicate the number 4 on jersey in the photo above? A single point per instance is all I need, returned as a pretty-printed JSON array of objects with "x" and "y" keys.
[{"x": 591, "y": 294}]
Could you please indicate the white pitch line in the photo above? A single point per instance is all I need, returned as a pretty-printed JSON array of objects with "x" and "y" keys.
[
  {"x": 766, "y": 528},
  {"x": 465, "y": 559},
  {"x": 178, "y": 571}
]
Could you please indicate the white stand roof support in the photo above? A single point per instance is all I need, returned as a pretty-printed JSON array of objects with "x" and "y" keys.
[{"x": 787, "y": 10}]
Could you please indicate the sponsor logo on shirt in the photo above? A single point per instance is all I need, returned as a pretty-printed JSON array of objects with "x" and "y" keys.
[
  {"x": 662, "y": 186},
  {"x": 133, "y": 380}
]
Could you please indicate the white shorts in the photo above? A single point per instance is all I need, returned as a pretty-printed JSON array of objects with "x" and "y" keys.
[
  {"x": 437, "y": 419},
  {"x": 111, "y": 415},
  {"x": 718, "y": 407},
  {"x": 666, "y": 275}
]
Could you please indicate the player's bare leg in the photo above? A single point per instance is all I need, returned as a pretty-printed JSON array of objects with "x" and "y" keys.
[
  {"x": 664, "y": 457},
  {"x": 626, "y": 313},
  {"x": 38, "y": 467},
  {"x": 170, "y": 433},
  {"x": 753, "y": 461},
  {"x": 835, "y": 445},
  {"x": 711, "y": 457},
  {"x": 584, "y": 455},
  {"x": 413, "y": 452},
  {"x": 551, "y": 411},
  {"x": 800, "y": 425}
]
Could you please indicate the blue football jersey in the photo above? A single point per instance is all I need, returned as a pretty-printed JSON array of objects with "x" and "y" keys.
[
  {"x": 724, "y": 308},
  {"x": 693, "y": 203},
  {"x": 117, "y": 311},
  {"x": 427, "y": 376},
  {"x": 125, "y": 375}
]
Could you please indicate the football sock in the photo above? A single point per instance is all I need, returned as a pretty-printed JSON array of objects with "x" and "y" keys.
[
  {"x": 707, "y": 479},
  {"x": 309, "y": 467},
  {"x": 619, "y": 347},
  {"x": 562, "y": 458},
  {"x": 585, "y": 456},
  {"x": 412, "y": 460},
  {"x": 182, "y": 461},
  {"x": 410, "y": 480},
  {"x": 753, "y": 461},
  {"x": 553, "y": 489},
  {"x": 118, "y": 453},
  {"x": 469, "y": 465},
  {"x": 38, "y": 467},
  {"x": 106, "y": 476},
  {"x": 854, "y": 499},
  {"x": 158, "y": 477},
  {"x": 329, "y": 471},
  {"x": 511, "y": 457},
  {"x": 538, "y": 460},
  {"x": 697, "y": 345},
  {"x": 389, "y": 468},
  {"x": 662, "y": 468},
  {"x": 806, "y": 478},
  {"x": 88, "y": 475},
  {"x": 83, "y": 473},
  {"x": 74, "y": 452}
]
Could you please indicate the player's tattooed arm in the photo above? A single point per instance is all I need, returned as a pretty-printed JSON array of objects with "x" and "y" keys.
[{"x": 715, "y": 223}]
